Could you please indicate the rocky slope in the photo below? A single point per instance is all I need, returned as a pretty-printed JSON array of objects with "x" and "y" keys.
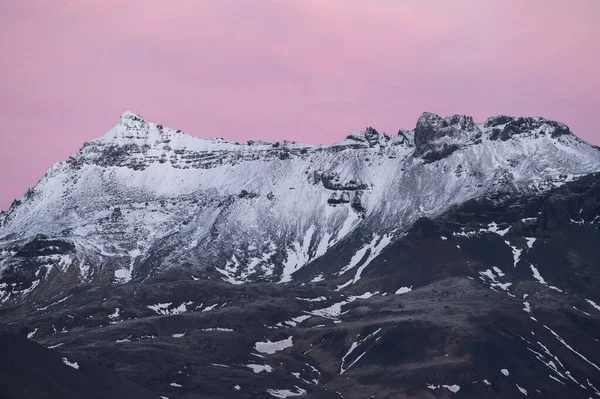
[{"x": 454, "y": 260}]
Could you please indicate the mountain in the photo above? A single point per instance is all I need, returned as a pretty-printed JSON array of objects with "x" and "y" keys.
[{"x": 454, "y": 260}]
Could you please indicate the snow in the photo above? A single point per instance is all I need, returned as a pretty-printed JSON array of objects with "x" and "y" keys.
[
  {"x": 209, "y": 308},
  {"x": 178, "y": 335},
  {"x": 571, "y": 348},
  {"x": 258, "y": 368},
  {"x": 176, "y": 385},
  {"x": 375, "y": 251},
  {"x": 537, "y": 275},
  {"x": 353, "y": 347},
  {"x": 579, "y": 310},
  {"x": 297, "y": 320},
  {"x": 516, "y": 252},
  {"x": 115, "y": 316},
  {"x": 319, "y": 299},
  {"x": 374, "y": 248},
  {"x": 54, "y": 303},
  {"x": 269, "y": 347},
  {"x": 452, "y": 388},
  {"x": 123, "y": 275},
  {"x": 346, "y": 284},
  {"x": 505, "y": 372},
  {"x": 297, "y": 256},
  {"x": 331, "y": 312},
  {"x": 75, "y": 365},
  {"x": 334, "y": 311},
  {"x": 594, "y": 304},
  {"x": 493, "y": 227},
  {"x": 403, "y": 290},
  {"x": 486, "y": 382},
  {"x": 522, "y": 390},
  {"x": 527, "y": 307},
  {"x": 540, "y": 279},
  {"x": 218, "y": 329},
  {"x": 237, "y": 387},
  {"x": 489, "y": 275},
  {"x": 32, "y": 334},
  {"x": 530, "y": 241},
  {"x": 286, "y": 393}
]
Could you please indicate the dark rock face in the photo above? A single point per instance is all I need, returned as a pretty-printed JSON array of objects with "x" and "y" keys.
[
  {"x": 28, "y": 370},
  {"x": 332, "y": 181},
  {"x": 436, "y": 137},
  {"x": 505, "y": 127}
]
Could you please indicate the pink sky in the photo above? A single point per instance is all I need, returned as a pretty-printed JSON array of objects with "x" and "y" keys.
[{"x": 309, "y": 70}]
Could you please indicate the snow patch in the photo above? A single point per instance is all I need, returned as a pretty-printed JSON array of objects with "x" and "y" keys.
[
  {"x": 286, "y": 393},
  {"x": 522, "y": 390},
  {"x": 258, "y": 368},
  {"x": 540, "y": 279},
  {"x": 75, "y": 365},
  {"x": 594, "y": 304},
  {"x": 353, "y": 347},
  {"x": 269, "y": 347},
  {"x": 403, "y": 290},
  {"x": 515, "y": 251}
]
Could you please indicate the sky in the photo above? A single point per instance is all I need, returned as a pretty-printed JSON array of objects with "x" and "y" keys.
[{"x": 310, "y": 71}]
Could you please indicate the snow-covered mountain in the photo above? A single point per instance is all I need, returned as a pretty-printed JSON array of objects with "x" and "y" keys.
[
  {"x": 143, "y": 198},
  {"x": 456, "y": 260}
]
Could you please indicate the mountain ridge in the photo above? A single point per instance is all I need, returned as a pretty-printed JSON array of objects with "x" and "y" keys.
[
  {"x": 456, "y": 260},
  {"x": 143, "y": 197}
]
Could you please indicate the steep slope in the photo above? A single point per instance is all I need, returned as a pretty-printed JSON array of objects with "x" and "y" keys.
[{"x": 143, "y": 199}]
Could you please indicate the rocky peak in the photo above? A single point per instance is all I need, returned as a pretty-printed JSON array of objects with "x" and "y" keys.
[
  {"x": 369, "y": 136},
  {"x": 131, "y": 121},
  {"x": 436, "y": 137},
  {"x": 463, "y": 122},
  {"x": 130, "y": 128},
  {"x": 505, "y": 127}
]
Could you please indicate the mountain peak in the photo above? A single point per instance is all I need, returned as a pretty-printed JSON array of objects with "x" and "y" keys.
[
  {"x": 128, "y": 129},
  {"x": 130, "y": 115},
  {"x": 504, "y": 127},
  {"x": 130, "y": 120},
  {"x": 437, "y": 137}
]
